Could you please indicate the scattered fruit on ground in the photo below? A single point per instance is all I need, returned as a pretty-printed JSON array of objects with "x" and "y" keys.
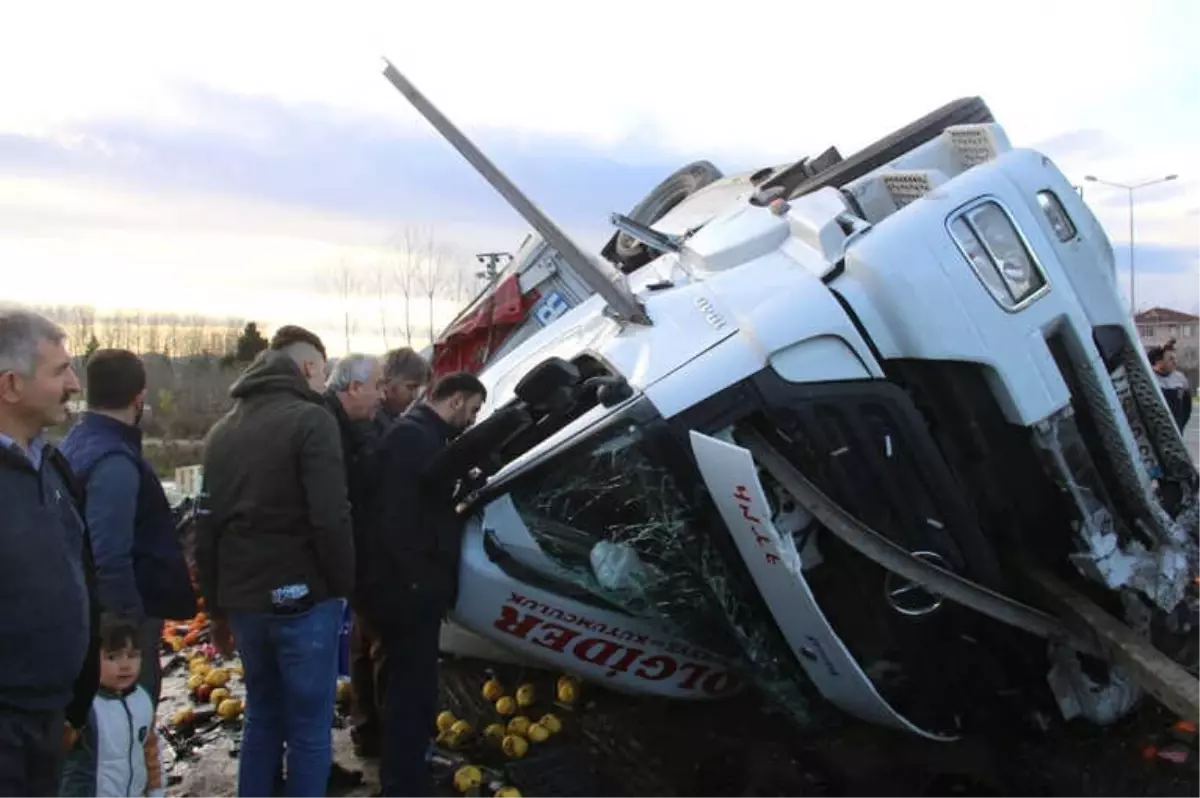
[
  {"x": 176, "y": 643},
  {"x": 508, "y": 792},
  {"x": 467, "y": 778},
  {"x": 495, "y": 732},
  {"x": 230, "y": 708},
  {"x": 462, "y": 728},
  {"x": 445, "y": 721},
  {"x": 492, "y": 690},
  {"x": 217, "y": 677},
  {"x": 538, "y": 733},
  {"x": 519, "y": 725},
  {"x": 448, "y": 739},
  {"x": 551, "y": 723},
  {"x": 515, "y": 746},
  {"x": 526, "y": 695},
  {"x": 194, "y": 681},
  {"x": 183, "y": 717},
  {"x": 506, "y": 705},
  {"x": 203, "y": 693},
  {"x": 218, "y": 695},
  {"x": 568, "y": 690}
]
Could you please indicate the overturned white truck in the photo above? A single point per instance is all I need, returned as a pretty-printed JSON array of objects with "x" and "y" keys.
[{"x": 873, "y": 433}]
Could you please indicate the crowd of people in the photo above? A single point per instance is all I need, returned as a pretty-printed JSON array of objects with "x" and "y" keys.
[{"x": 323, "y": 488}]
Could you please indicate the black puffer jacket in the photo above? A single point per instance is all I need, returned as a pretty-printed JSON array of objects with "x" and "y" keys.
[{"x": 275, "y": 510}]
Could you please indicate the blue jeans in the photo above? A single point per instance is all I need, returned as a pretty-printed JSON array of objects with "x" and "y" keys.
[{"x": 290, "y": 662}]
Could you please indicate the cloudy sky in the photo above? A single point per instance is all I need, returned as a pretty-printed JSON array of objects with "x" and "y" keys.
[{"x": 227, "y": 158}]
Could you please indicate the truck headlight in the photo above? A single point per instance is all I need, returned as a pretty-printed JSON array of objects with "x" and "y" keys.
[{"x": 996, "y": 251}]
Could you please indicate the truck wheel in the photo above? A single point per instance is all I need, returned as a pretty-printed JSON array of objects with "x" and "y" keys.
[{"x": 629, "y": 253}]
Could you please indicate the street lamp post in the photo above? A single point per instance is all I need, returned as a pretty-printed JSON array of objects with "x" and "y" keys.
[{"x": 1130, "y": 190}]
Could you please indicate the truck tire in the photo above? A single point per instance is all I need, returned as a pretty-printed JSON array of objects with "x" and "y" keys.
[
  {"x": 965, "y": 111},
  {"x": 628, "y": 253}
]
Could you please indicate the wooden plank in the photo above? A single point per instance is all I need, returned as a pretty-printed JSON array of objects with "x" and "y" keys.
[{"x": 1161, "y": 676}]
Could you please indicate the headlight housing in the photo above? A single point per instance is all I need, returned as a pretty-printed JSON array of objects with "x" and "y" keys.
[{"x": 991, "y": 243}]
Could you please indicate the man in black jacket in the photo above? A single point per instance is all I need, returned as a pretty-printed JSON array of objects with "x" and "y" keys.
[
  {"x": 405, "y": 375},
  {"x": 275, "y": 556},
  {"x": 408, "y": 574},
  {"x": 49, "y": 665}
]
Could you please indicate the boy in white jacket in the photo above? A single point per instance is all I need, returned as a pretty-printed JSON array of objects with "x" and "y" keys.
[{"x": 117, "y": 753}]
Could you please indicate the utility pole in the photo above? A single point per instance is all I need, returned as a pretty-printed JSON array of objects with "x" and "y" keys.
[{"x": 1130, "y": 189}]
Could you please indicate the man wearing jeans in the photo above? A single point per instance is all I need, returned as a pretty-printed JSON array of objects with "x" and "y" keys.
[
  {"x": 275, "y": 556},
  {"x": 409, "y": 575}
]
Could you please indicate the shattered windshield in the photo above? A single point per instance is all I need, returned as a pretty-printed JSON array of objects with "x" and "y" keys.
[{"x": 610, "y": 512}]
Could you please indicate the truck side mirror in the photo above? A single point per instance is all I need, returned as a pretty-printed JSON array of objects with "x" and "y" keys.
[{"x": 551, "y": 385}]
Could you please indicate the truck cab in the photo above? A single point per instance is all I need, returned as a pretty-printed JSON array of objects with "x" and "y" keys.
[{"x": 929, "y": 334}]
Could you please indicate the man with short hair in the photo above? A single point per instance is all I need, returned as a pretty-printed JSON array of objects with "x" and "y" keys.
[
  {"x": 405, "y": 375},
  {"x": 408, "y": 572},
  {"x": 275, "y": 554},
  {"x": 1172, "y": 382},
  {"x": 49, "y": 615},
  {"x": 141, "y": 573}
]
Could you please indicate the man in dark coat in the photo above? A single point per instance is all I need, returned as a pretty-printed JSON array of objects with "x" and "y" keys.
[
  {"x": 141, "y": 572},
  {"x": 275, "y": 555},
  {"x": 49, "y": 615},
  {"x": 405, "y": 376},
  {"x": 408, "y": 574},
  {"x": 353, "y": 396}
]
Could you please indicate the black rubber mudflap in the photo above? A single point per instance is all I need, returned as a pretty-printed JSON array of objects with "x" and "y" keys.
[{"x": 555, "y": 772}]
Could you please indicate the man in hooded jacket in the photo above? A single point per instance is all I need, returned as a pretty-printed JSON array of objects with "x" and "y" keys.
[{"x": 275, "y": 555}]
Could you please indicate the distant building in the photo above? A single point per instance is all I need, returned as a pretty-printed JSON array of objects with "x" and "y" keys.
[{"x": 1156, "y": 326}]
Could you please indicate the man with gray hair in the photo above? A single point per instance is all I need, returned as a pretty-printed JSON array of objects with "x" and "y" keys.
[
  {"x": 352, "y": 396},
  {"x": 275, "y": 555},
  {"x": 49, "y": 660},
  {"x": 405, "y": 376}
]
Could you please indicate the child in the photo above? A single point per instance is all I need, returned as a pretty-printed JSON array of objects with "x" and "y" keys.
[{"x": 117, "y": 754}]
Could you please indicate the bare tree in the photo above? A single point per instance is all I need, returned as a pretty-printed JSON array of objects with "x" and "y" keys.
[
  {"x": 344, "y": 283},
  {"x": 406, "y": 274},
  {"x": 433, "y": 277},
  {"x": 462, "y": 282},
  {"x": 383, "y": 296}
]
